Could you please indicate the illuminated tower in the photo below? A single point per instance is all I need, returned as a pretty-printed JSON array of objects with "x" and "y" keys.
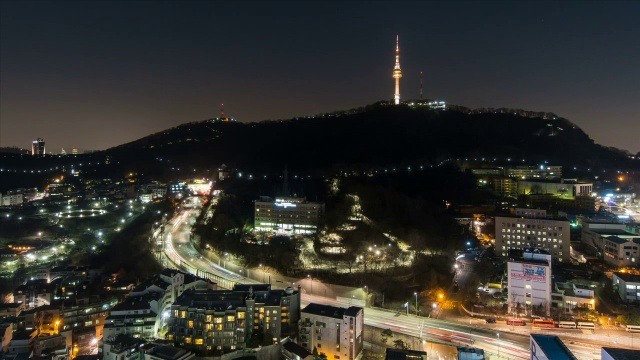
[
  {"x": 397, "y": 74},
  {"x": 37, "y": 147}
]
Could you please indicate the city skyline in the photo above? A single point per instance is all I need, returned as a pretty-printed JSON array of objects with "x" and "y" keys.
[{"x": 96, "y": 75}]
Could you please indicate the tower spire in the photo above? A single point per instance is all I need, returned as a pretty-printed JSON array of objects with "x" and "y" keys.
[
  {"x": 420, "y": 85},
  {"x": 221, "y": 111},
  {"x": 397, "y": 73}
]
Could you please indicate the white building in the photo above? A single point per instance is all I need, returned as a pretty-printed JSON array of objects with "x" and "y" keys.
[
  {"x": 136, "y": 316},
  {"x": 334, "y": 331},
  {"x": 11, "y": 199},
  {"x": 531, "y": 229},
  {"x": 621, "y": 252},
  {"x": 529, "y": 283},
  {"x": 170, "y": 284},
  {"x": 287, "y": 215},
  {"x": 618, "y": 246},
  {"x": 569, "y": 297},
  {"x": 627, "y": 286}
]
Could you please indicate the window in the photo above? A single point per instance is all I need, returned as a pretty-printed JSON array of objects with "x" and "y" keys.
[
  {"x": 187, "y": 340},
  {"x": 199, "y": 341},
  {"x": 190, "y": 324}
]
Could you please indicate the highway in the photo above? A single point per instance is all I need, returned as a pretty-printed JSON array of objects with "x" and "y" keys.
[{"x": 513, "y": 342}]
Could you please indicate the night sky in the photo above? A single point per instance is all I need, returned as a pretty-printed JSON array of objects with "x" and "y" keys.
[{"x": 98, "y": 74}]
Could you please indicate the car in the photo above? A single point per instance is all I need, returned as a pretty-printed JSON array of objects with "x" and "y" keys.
[{"x": 491, "y": 321}]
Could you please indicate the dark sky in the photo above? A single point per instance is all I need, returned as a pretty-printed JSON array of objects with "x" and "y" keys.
[{"x": 97, "y": 74}]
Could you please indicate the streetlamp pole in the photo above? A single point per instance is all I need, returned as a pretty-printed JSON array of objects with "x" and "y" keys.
[
  {"x": 310, "y": 284},
  {"x": 498, "y": 345},
  {"x": 416, "y": 295}
]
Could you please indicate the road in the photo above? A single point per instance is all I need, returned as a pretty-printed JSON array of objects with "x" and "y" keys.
[{"x": 511, "y": 343}]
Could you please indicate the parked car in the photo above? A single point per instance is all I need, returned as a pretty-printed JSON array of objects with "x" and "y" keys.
[{"x": 491, "y": 321}]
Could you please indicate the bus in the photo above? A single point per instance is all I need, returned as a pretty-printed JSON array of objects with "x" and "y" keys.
[
  {"x": 567, "y": 324},
  {"x": 633, "y": 328},
  {"x": 516, "y": 322},
  {"x": 586, "y": 325},
  {"x": 544, "y": 323}
]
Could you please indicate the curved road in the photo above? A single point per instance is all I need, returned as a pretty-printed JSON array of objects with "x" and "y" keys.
[{"x": 510, "y": 343}]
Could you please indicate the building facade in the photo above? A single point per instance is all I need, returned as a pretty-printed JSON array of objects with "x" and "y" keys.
[
  {"x": 136, "y": 316},
  {"x": 333, "y": 331},
  {"x": 561, "y": 188},
  {"x": 529, "y": 284},
  {"x": 287, "y": 215},
  {"x": 225, "y": 320},
  {"x": 546, "y": 233},
  {"x": 628, "y": 286},
  {"x": 37, "y": 147}
]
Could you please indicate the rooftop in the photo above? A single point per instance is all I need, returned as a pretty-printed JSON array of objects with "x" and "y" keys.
[
  {"x": 621, "y": 354},
  {"x": 166, "y": 352},
  {"x": 628, "y": 277},
  {"x": 296, "y": 349},
  {"x": 548, "y": 218},
  {"x": 136, "y": 302},
  {"x": 221, "y": 300},
  {"x": 618, "y": 240},
  {"x": 401, "y": 354},
  {"x": 611, "y": 232},
  {"x": 331, "y": 311},
  {"x": 552, "y": 347}
]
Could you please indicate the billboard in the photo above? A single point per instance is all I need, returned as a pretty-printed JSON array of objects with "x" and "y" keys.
[{"x": 530, "y": 272}]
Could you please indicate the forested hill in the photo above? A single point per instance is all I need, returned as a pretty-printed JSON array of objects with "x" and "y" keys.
[{"x": 375, "y": 136}]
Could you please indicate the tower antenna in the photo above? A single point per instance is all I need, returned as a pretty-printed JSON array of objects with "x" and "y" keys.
[
  {"x": 420, "y": 85},
  {"x": 221, "y": 111},
  {"x": 397, "y": 73}
]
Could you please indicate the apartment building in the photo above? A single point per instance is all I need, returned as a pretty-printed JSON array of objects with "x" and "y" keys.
[
  {"x": 333, "y": 331},
  {"x": 533, "y": 229},
  {"x": 34, "y": 293},
  {"x": 170, "y": 284},
  {"x": 136, "y": 316},
  {"x": 121, "y": 347},
  {"x": 224, "y": 320}
]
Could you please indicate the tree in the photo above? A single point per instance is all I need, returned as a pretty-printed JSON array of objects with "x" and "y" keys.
[
  {"x": 399, "y": 344},
  {"x": 386, "y": 334}
]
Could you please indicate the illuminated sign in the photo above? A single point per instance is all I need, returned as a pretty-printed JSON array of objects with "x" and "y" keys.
[
  {"x": 530, "y": 272},
  {"x": 285, "y": 204}
]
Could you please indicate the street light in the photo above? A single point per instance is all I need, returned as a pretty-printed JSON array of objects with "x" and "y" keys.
[
  {"x": 310, "y": 284},
  {"x": 416, "y": 295}
]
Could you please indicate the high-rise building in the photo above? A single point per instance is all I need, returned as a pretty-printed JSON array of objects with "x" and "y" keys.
[
  {"x": 37, "y": 147},
  {"x": 529, "y": 229},
  {"x": 529, "y": 283},
  {"x": 397, "y": 73},
  {"x": 333, "y": 331}
]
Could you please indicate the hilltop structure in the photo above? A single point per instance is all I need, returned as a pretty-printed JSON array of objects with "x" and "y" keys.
[{"x": 397, "y": 74}]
